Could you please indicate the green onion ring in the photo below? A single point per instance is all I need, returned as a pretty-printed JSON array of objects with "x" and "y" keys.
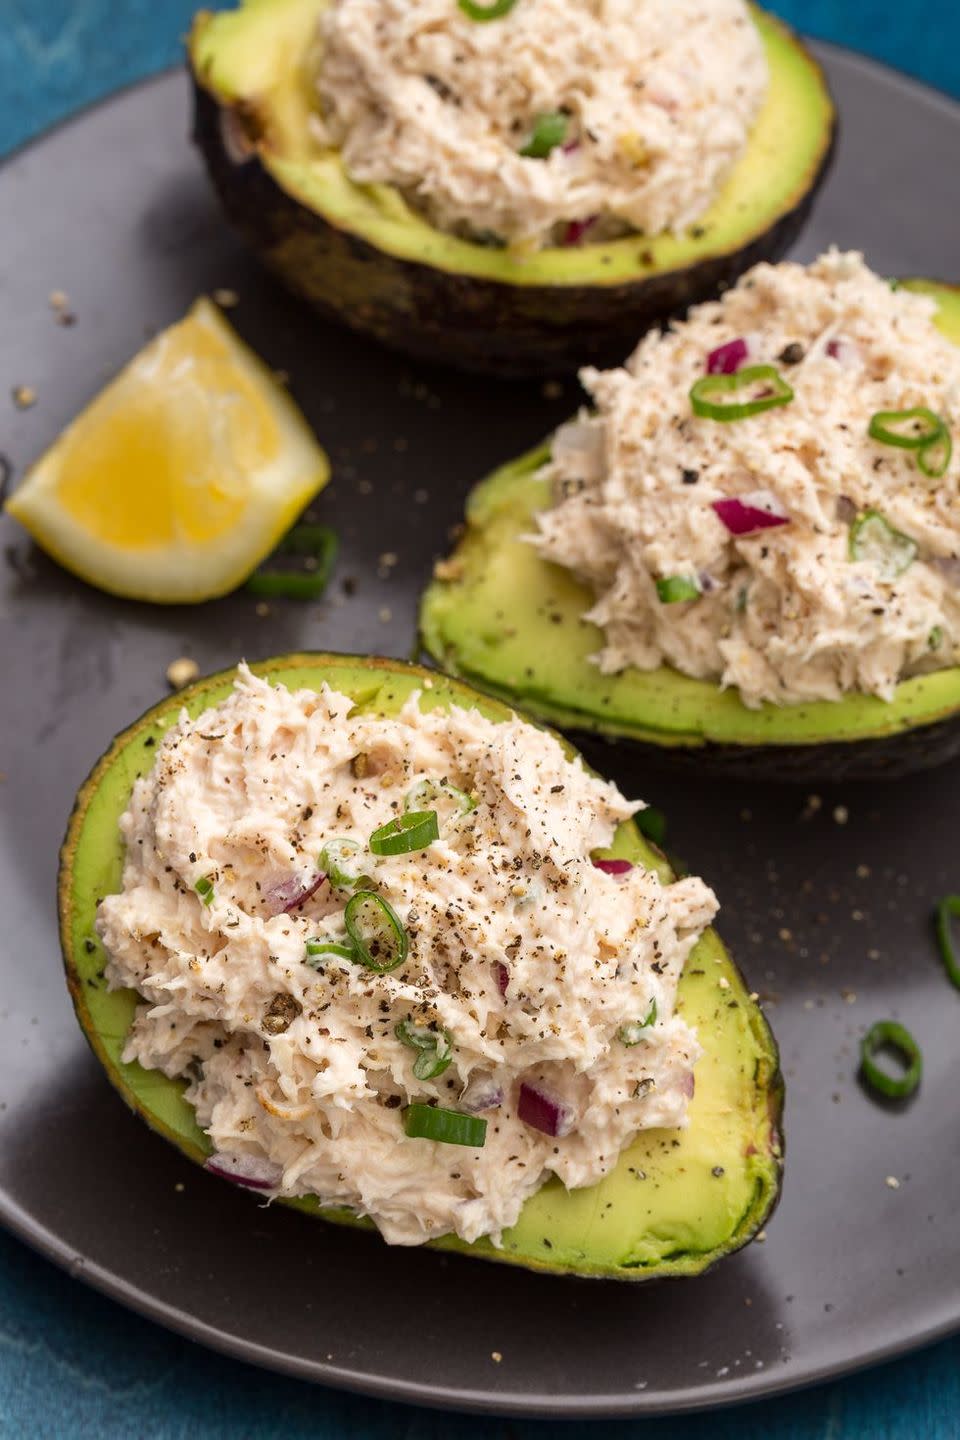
[
  {"x": 495, "y": 11},
  {"x": 673, "y": 589},
  {"x": 709, "y": 395},
  {"x": 435, "y": 1048},
  {"x": 414, "y": 830},
  {"x": 889, "y": 1035},
  {"x": 873, "y": 539},
  {"x": 631, "y": 1033},
  {"x": 204, "y": 888},
  {"x": 316, "y": 949},
  {"x": 934, "y": 458},
  {"x": 318, "y": 541},
  {"x": 906, "y": 429},
  {"x": 549, "y": 131},
  {"x": 948, "y": 909},
  {"x": 380, "y": 942},
  {"x": 419, "y": 797},
  {"x": 449, "y": 1127},
  {"x": 331, "y": 858}
]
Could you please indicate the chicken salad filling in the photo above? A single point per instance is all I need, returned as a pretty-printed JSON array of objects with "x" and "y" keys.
[
  {"x": 542, "y": 122},
  {"x": 765, "y": 495},
  {"x": 384, "y": 956}
]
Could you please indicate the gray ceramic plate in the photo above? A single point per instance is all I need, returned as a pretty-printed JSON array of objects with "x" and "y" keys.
[{"x": 830, "y": 921}]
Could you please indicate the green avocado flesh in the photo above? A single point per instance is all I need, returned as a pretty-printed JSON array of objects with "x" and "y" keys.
[
  {"x": 513, "y": 624},
  {"x": 361, "y": 253},
  {"x": 677, "y": 1201}
]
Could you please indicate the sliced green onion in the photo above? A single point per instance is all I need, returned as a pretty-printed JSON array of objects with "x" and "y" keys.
[
  {"x": 548, "y": 132},
  {"x": 449, "y": 1127},
  {"x": 934, "y": 457},
  {"x": 674, "y": 588},
  {"x": 889, "y": 1035},
  {"x": 414, "y": 830},
  {"x": 379, "y": 940},
  {"x": 427, "y": 791},
  {"x": 907, "y": 429},
  {"x": 435, "y": 1047},
  {"x": 747, "y": 392},
  {"x": 632, "y": 1032},
  {"x": 331, "y": 862},
  {"x": 652, "y": 823},
  {"x": 316, "y": 949},
  {"x": 204, "y": 888},
  {"x": 317, "y": 542},
  {"x": 494, "y": 11},
  {"x": 948, "y": 910},
  {"x": 874, "y": 540}
]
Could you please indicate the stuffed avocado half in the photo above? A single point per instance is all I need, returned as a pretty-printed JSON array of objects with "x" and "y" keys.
[
  {"x": 508, "y": 620},
  {"x": 677, "y": 1200},
  {"x": 363, "y": 255}
]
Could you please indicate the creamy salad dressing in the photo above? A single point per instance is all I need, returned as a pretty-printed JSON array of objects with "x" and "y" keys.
[
  {"x": 530, "y": 957},
  {"x": 790, "y": 613},
  {"x": 658, "y": 98}
]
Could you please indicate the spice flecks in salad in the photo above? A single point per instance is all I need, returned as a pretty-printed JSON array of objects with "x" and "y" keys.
[
  {"x": 766, "y": 496},
  {"x": 380, "y": 951},
  {"x": 542, "y": 122}
]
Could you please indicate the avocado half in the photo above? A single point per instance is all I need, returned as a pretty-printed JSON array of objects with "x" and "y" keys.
[
  {"x": 359, "y": 254},
  {"x": 677, "y": 1201},
  {"x": 513, "y": 624}
]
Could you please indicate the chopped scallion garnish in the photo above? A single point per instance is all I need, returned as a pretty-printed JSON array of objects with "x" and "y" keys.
[
  {"x": 874, "y": 540},
  {"x": 632, "y": 1032},
  {"x": 333, "y": 859},
  {"x": 204, "y": 888},
  {"x": 948, "y": 910},
  {"x": 907, "y": 429},
  {"x": 318, "y": 544},
  {"x": 414, "y": 830},
  {"x": 379, "y": 940},
  {"x": 449, "y": 1127},
  {"x": 747, "y": 392},
  {"x": 675, "y": 588},
  {"x": 435, "y": 1048},
  {"x": 317, "y": 949},
  {"x": 495, "y": 11},
  {"x": 890, "y": 1036},
  {"x": 427, "y": 792},
  {"x": 548, "y": 132}
]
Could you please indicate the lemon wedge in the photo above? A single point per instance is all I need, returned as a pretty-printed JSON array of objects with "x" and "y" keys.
[{"x": 181, "y": 476}]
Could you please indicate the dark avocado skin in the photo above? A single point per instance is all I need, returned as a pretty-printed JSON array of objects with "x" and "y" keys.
[
  {"x": 471, "y": 322},
  {"x": 679, "y": 1223},
  {"x": 513, "y": 625}
]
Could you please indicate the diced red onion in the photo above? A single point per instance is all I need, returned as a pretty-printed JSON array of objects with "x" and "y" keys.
[
  {"x": 288, "y": 894},
  {"x": 570, "y": 146},
  {"x": 706, "y": 582},
  {"x": 760, "y": 510},
  {"x": 578, "y": 228},
  {"x": 251, "y": 1171},
  {"x": 482, "y": 1093},
  {"x": 843, "y": 351},
  {"x": 727, "y": 359},
  {"x": 948, "y": 566},
  {"x": 503, "y": 976},
  {"x": 688, "y": 1084},
  {"x": 846, "y": 509},
  {"x": 751, "y": 1150},
  {"x": 544, "y": 1111},
  {"x": 613, "y": 867}
]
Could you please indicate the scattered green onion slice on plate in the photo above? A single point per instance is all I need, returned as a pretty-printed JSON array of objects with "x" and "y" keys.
[
  {"x": 549, "y": 131},
  {"x": 889, "y": 1035},
  {"x": 414, "y": 830},
  {"x": 450, "y": 1127},
  {"x": 435, "y": 1048},
  {"x": 674, "y": 588},
  {"x": 874, "y": 540},
  {"x": 316, "y": 949},
  {"x": 907, "y": 429},
  {"x": 316, "y": 542},
  {"x": 380, "y": 942},
  {"x": 494, "y": 11},
  {"x": 948, "y": 909},
  {"x": 632, "y": 1032},
  {"x": 746, "y": 392},
  {"x": 331, "y": 862},
  {"x": 204, "y": 888}
]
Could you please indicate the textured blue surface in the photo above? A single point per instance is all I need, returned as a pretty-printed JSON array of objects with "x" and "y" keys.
[{"x": 74, "y": 1364}]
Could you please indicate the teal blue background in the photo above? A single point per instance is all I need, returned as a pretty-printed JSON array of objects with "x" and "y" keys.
[{"x": 74, "y": 1364}]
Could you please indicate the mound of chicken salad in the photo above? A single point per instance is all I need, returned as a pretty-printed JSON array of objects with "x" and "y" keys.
[
  {"x": 542, "y": 122},
  {"x": 382, "y": 953},
  {"x": 764, "y": 496}
]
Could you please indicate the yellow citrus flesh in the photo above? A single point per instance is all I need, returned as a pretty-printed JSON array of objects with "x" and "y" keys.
[{"x": 181, "y": 475}]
